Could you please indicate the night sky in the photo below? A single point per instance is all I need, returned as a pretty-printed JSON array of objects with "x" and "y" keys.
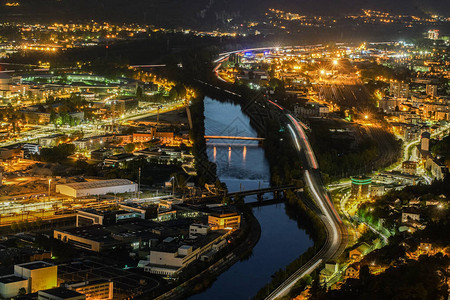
[{"x": 184, "y": 12}]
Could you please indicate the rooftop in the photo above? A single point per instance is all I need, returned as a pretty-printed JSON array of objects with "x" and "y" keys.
[
  {"x": 94, "y": 233},
  {"x": 35, "y": 265},
  {"x": 222, "y": 211},
  {"x": 62, "y": 292},
  {"x": 10, "y": 279},
  {"x": 98, "y": 184},
  {"x": 120, "y": 156}
]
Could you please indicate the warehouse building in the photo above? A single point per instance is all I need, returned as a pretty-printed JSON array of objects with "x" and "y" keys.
[
  {"x": 60, "y": 293},
  {"x": 10, "y": 285},
  {"x": 97, "y": 289},
  {"x": 94, "y": 188},
  {"x": 41, "y": 275}
]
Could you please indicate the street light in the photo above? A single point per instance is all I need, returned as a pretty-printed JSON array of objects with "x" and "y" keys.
[
  {"x": 173, "y": 178},
  {"x": 335, "y": 62},
  {"x": 49, "y": 185},
  {"x": 366, "y": 117}
]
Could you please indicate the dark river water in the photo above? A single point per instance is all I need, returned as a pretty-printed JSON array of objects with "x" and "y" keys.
[{"x": 242, "y": 165}]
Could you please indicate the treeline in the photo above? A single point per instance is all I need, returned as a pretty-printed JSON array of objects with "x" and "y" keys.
[
  {"x": 286, "y": 168},
  {"x": 58, "y": 153},
  {"x": 285, "y": 164},
  {"x": 152, "y": 172},
  {"x": 206, "y": 170},
  {"x": 442, "y": 148},
  {"x": 338, "y": 164},
  {"x": 73, "y": 103},
  {"x": 341, "y": 156},
  {"x": 158, "y": 47},
  {"x": 26, "y": 225}
]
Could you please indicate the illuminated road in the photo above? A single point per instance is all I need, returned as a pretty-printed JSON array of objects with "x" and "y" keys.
[
  {"x": 336, "y": 232},
  {"x": 40, "y": 131},
  {"x": 336, "y": 240}
]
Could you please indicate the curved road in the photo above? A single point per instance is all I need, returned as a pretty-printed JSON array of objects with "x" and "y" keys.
[
  {"x": 336, "y": 232},
  {"x": 336, "y": 240}
]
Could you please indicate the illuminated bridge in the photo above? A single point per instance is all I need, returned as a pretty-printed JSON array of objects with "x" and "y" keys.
[
  {"x": 245, "y": 138},
  {"x": 261, "y": 191},
  {"x": 276, "y": 190}
]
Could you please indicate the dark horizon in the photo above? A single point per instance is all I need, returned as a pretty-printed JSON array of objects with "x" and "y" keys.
[{"x": 204, "y": 12}]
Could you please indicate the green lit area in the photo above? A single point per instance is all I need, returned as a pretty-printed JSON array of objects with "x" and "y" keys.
[{"x": 361, "y": 181}]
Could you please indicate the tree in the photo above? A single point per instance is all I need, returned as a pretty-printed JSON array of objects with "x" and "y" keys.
[
  {"x": 276, "y": 84},
  {"x": 39, "y": 222},
  {"x": 14, "y": 226},
  {"x": 177, "y": 92},
  {"x": 129, "y": 147},
  {"x": 364, "y": 274},
  {"x": 58, "y": 153},
  {"x": 139, "y": 93},
  {"x": 22, "y": 291},
  {"x": 226, "y": 200},
  {"x": 317, "y": 289}
]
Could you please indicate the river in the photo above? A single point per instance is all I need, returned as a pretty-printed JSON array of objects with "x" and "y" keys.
[{"x": 242, "y": 165}]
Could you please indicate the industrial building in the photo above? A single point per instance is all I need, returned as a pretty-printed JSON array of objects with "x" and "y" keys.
[
  {"x": 169, "y": 258},
  {"x": 60, "y": 293},
  {"x": 89, "y": 216},
  {"x": 11, "y": 284},
  {"x": 133, "y": 233},
  {"x": 41, "y": 275},
  {"x": 99, "y": 187},
  {"x": 94, "y": 238},
  {"x": 97, "y": 289},
  {"x": 223, "y": 217}
]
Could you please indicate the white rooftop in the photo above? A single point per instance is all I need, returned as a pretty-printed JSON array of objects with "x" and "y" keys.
[{"x": 98, "y": 184}]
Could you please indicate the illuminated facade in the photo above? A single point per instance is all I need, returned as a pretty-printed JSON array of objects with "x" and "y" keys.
[
  {"x": 99, "y": 289},
  {"x": 224, "y": 221},
  {"x": 433, "y": 34},
  {"x": 360, "y": 187},
  {"x": 41, "y": 275}
]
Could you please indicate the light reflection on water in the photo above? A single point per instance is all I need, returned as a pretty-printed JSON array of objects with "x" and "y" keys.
[{"x": 243, "y": 166}]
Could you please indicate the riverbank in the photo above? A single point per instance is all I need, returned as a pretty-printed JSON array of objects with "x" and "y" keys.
[
  {"x": 244, "y": 97},
  {"x": 206, "y": 170},
  {"x": 242, "y": 167},
  {"x": 282, "y": 157},
  {"x": 240, "y": 245}
]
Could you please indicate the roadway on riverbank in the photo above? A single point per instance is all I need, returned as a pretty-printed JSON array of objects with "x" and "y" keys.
[{"x": 336, "y": 240}]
